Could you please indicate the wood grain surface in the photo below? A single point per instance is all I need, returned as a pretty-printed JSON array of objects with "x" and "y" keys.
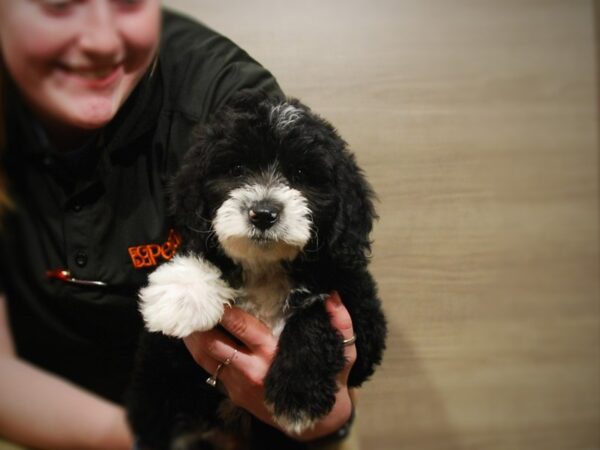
[{"x": 477, "y": 123}]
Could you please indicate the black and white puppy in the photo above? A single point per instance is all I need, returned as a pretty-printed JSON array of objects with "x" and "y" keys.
[{"x": 274, "y": 215}]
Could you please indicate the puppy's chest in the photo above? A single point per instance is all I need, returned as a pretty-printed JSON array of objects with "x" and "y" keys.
[{"x": 263, "y": 294}]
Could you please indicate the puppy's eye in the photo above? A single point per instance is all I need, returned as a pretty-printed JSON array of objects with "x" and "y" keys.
[
  {"x": 236, "y": 171},
  {"x": 298, "y": 174}
]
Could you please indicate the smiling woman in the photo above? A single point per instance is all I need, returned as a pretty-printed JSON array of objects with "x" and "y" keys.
[{"x": 92, "y": 56}]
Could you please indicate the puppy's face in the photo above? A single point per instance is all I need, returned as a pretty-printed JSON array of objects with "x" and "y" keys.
[
  {"x": 268, "y": 187},
  {"x": 267, "y": 180},
  {"x": 263, "y": 218}
]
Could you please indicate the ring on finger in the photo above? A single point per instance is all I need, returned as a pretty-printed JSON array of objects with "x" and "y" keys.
[
  {"x": 212, "y": 380},
  {"x": 349, "y": 341},
  {"x": 228, "y": 360}
]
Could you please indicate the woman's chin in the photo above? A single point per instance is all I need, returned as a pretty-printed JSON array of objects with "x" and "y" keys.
[{"x": 92, "y": 116}]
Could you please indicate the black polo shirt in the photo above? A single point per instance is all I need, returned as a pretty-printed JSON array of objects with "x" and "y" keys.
[{"x": 100, "y": 213}]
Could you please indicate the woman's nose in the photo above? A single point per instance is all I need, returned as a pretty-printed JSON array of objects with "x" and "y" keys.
[{"x": 100, "y": 35}]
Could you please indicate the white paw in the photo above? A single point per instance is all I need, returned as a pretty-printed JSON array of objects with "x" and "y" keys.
[
  {"x": 296, "y": 424},
  {"x": 184, "y": 295}
]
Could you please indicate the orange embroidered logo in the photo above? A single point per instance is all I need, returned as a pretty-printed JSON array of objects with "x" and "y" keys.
[{"x": 147, "y": 255}]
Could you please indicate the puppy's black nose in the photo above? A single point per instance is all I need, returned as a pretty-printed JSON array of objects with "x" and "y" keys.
[{"x": 263, "y": 215}]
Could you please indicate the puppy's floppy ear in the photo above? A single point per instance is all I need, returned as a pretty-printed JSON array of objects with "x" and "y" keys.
[{"x": 349, "y": 242}]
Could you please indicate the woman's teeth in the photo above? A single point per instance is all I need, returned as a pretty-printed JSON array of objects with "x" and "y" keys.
[{"x": 95, "y": 74}]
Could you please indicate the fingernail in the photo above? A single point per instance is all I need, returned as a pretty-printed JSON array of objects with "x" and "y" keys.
[{"x": 335, "y": 299}]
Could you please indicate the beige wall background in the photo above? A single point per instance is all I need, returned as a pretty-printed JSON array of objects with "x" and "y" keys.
[{"x": 477, "y": 124}]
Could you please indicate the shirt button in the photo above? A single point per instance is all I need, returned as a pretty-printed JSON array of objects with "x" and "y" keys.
[{"x": 81, "y": 258}]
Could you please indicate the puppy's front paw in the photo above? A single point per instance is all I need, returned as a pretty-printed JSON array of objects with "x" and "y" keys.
[
  {"x": 184, "y": 295},
  {"x": 298, "y": 401},
  {"x": 295, "y": 422}
]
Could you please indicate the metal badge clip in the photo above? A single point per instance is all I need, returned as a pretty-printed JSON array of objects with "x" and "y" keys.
[{"x": 65, "y": 275}]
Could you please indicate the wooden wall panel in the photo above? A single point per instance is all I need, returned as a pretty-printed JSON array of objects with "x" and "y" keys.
[{"x": 477, "y": 123}]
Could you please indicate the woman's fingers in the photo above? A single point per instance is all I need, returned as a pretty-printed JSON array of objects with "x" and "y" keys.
[
  {"x": 250, "y": 331},
  {"x": 340, "y": 319},
  {"x": 249, "y": 360},
  {"x": 212, "y": 346}
]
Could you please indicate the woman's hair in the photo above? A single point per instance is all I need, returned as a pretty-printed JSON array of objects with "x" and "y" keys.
[{"x": 5, "y": 202}]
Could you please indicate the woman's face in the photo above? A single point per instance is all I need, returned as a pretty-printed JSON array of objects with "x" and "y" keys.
[{"x": 77, "y": 61}]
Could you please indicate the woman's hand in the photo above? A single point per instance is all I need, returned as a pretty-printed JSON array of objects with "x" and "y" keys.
[{"x": 243, "y": 377}]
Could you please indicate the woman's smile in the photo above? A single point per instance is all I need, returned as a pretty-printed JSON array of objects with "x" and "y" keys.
[{"x": 100, "y": 77}]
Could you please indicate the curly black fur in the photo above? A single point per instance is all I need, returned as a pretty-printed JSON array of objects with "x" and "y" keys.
[{"x": 169, "y": 396}]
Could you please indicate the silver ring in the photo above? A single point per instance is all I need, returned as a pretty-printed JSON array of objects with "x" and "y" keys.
[
  {"x": 349, "y": 341},
  {"x": 212, "y": 380},
  {"x": 228, "y": 360}
]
